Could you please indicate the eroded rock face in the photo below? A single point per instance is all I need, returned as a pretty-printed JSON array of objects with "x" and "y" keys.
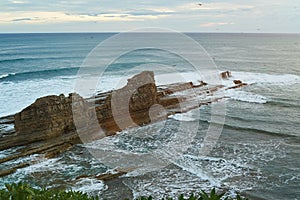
[
  {"x": 47, "y": 117},
  {"x": 143, "y": 89},
  {"x": 52, "y": 116},
  {"x": 129, "y": 105}
]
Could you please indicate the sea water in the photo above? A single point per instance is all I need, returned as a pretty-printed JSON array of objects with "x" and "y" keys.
[{"x": 257, "y": 152}]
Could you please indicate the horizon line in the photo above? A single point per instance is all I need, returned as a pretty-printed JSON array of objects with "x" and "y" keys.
[{"x": 116, "y": 32}]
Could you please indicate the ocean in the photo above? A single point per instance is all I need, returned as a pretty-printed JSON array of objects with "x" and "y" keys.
[{"x": 257, "y": 153}]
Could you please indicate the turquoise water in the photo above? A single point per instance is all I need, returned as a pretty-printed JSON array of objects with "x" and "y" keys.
[{"x": 257, "y": 153}]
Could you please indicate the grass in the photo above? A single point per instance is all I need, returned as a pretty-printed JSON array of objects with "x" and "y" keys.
[{"x": 23, "y": 191}]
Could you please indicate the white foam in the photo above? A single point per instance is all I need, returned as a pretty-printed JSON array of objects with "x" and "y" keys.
[
  {"x": 209, "y": 77},
  {"x": 6, "y": 75},
  {"x": 246, "y": 96},
  {"x": 89, "y": 185},
  {"x": 246, "y": 77},
  {"x": 261, "y": 78},
  {"x": 7, "y": 152},
  {"x": 186, "y": 117},
  {"x": 42, "y": 165},
  {"x": 18, "y": 95},
  {"x": 7, "y": 128}
]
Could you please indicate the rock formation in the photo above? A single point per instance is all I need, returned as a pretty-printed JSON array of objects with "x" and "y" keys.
[
  {"x": 226, "y": 74},
  {"x": 237, "y": 81},
  {"x": 47, "y": 117},
  {"x": 129, "y": 106},
  {"x": 48, "y": 125}
]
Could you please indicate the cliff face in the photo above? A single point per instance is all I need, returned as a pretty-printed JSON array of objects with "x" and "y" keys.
[
  {"x": 141, "y": 90},
  {"x": 52, "y": 116},
  {"x": 128, "y": 106},
  {"x": 46, "y": 118}
]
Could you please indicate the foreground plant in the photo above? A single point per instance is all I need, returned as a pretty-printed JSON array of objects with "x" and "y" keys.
[{"x": 23, "y": 191}]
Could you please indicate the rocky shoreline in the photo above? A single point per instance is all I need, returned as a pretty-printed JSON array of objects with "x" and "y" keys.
[{"x": 47, "y": 126}]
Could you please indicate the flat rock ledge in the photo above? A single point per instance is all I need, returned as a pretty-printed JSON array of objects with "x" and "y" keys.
[{"x": 48, "y": 126}]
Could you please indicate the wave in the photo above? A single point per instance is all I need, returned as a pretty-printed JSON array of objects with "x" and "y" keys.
[
  {"x": 116, "y": 68},
  {"x": 255, "y": 130},
  {"x": 260, "y": 79},
  {"x": 263, "y": 78},
  {"x": 6, "y": 75},
  {"x": 284, "y": 103},
  {"x": 246, "y": 96},
  {"x": 233, "y": 127},
  {"x": 32, "y": 59},
  {"x": 43, "y": 74},
  {"x": 12, "y": 60},
  {"x": 249, "y": 129}
]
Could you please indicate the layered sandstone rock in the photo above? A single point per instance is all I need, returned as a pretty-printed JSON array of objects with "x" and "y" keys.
[
  {"x": 52, "y": 116},
  {"x": 128, "y": 106},
  {"x": 51, "y": 124},
  {"x": 47, "y": 117}
]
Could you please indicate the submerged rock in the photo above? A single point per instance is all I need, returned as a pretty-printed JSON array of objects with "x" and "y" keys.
[{"x": 237, "y": 81}]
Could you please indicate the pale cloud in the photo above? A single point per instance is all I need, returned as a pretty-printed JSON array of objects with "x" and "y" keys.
[
  {"x": 217, "y": 6},
  {"x": 161, "y": 9},
  {"x": 37, "y": 17},
  {"x": 182, "y": 15},
  {"x": 18, "y": 1},
  {"x": 212, "y": 24}
]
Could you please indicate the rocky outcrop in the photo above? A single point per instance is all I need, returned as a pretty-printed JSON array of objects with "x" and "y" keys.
[
  {"x": 48, "y": 125},
  {"x": 128, "y": 106},
  {"x": 237, "y": 81},
  {"x": 237, "y": 86},
  {"x": 47, "y": 117},
  {"x": 52, "y": 116},
  {"x": 226, "y": 74},
  {"x": 141, "y": 94}
]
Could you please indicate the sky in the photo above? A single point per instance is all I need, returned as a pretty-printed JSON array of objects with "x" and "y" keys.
[{"x": 262, "y": 16}]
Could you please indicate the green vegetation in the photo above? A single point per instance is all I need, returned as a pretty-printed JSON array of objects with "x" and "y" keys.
[{"x": 23, "y": 191}]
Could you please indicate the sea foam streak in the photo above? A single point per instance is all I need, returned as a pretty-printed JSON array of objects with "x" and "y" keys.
[
  {"x": 271, "y": 79},
  {"x": 246, "y": 96},
  {"x": 187, "y": 117},
  {"x": 89, "y": 185}
]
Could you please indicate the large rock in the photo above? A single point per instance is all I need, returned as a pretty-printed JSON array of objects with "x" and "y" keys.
[
  {"x": 129, "y": 106},
  {"x": 52, "y": 116},
  {"x": 225, "y": 75},
  {"x": 47, "y": 117},
  {"x": 237, "y": 82}
]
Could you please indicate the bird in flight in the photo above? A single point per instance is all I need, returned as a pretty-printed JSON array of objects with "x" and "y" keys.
[{"x": 200, "y": 4}]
